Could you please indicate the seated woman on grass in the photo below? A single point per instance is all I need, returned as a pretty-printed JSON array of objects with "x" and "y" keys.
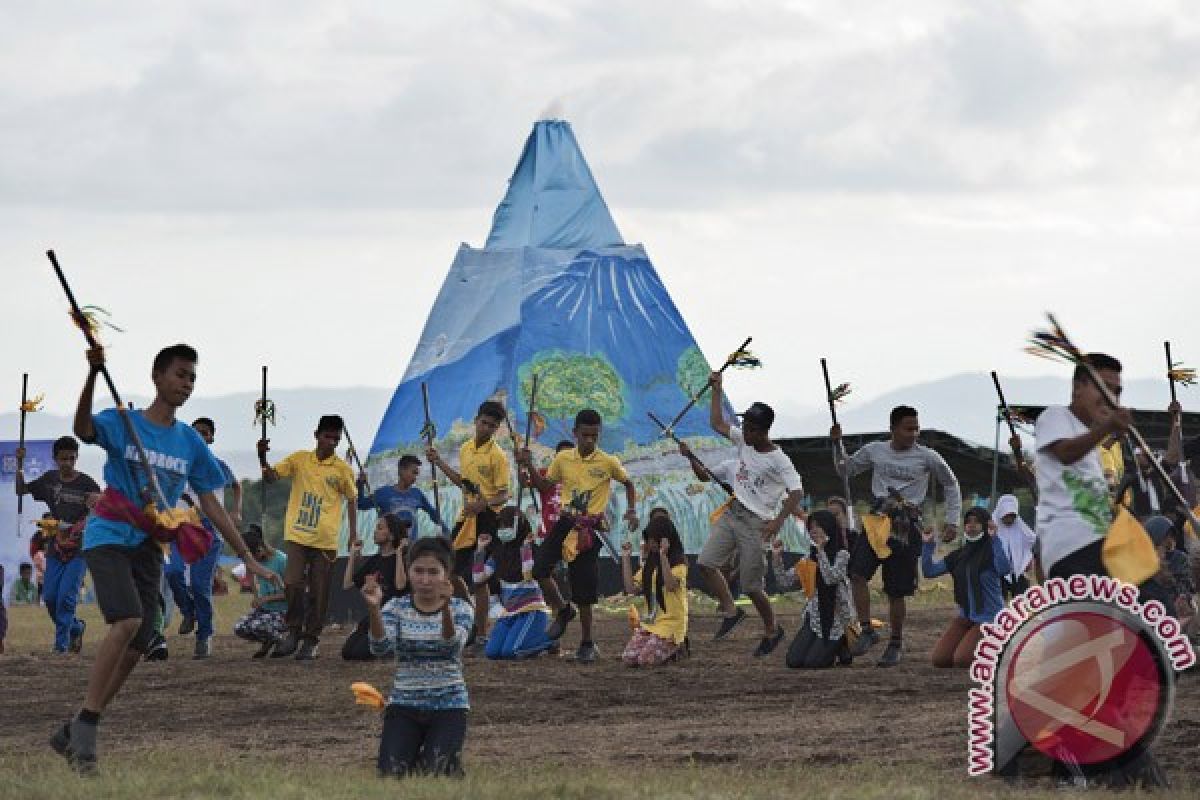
[
  {"x": 662, "y": 580},
  {"x": 977, "y": 568},
  {"x": 828, "y": 617}
]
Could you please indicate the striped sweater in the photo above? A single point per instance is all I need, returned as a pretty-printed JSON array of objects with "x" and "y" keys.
[{"x": 429, "y": 674}]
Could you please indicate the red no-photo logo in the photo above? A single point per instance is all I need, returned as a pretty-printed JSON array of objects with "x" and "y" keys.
[{"x": 1085, "y": 688}]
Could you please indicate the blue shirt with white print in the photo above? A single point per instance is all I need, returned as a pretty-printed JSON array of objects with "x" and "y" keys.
[{"x": 177, "y": 455}]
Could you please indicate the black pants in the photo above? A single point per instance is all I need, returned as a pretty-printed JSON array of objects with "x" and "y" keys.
[
  {"x": 428, "y": 742},
  {"x": 357, "y": 646},
  {"x": 810, "y": 651}
]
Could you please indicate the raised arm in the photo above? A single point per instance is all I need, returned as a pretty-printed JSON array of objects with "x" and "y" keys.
[
  {"x": 929, "y": 567},
  {"x": 351, "y": 564},
  {"x": 435, "y": 458},
  {"x": 716, "y": 414},
  {"x": 627, "y": 568},
  {"x": 1068, "y": 451},
  {"x": 84, "y": 428}
]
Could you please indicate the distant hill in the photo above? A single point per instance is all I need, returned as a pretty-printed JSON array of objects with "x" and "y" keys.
[{"x": 959, "y": 404}]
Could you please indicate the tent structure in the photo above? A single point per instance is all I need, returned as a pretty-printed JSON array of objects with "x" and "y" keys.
[{"x": 557, "y": 292}]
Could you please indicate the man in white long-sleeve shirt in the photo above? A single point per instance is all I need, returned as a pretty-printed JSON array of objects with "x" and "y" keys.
[{"x": 897, "y": 465}]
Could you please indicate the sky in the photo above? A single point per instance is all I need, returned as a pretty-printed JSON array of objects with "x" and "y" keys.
[{"x": 901, "y": 188}]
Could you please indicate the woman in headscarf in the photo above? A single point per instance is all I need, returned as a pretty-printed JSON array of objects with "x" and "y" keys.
[
  {"x": 829, "y": 615},
  {"x": 976, "y": 569},
  {"x": 1018, "y": 540}
]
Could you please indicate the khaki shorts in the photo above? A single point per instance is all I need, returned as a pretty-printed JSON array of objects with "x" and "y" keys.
[{"x": 739, "y": 532}]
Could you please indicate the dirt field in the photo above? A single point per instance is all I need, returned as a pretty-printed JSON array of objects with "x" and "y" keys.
[{"x": 720, "y": 707}]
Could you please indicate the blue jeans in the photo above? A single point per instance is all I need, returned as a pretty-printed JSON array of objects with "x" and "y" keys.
[
  {"x": 60, "y": 592},
  {"x": 194, "y": 596}
]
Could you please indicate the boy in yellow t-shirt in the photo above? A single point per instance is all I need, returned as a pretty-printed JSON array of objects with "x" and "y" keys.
[
  {"x": 482, "y": 475},
  {"x": 322, "y": 488},
  {"x": 586, "y": 474}
]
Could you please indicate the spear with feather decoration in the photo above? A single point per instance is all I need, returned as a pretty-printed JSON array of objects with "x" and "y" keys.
[
  {"x": 264, "y": 412},
  {"x": 687, "y": 451},
  {"x": 741, "y": 358},
  {"x": 429, "y": 433},
  {"x": 29, "y": 405},
  {"x": 1055, "y": 345},
  {"x": 834, "y": 396},
  {"x": 152, "y": 492},
  {"x": 1177, "y": 373},
  {"x": 1007, "y": 413}
]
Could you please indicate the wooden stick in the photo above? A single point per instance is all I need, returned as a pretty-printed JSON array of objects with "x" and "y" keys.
[
  {"x": 1170, "y": 370},
  {"x": 21, "y": 447},
  {"x": 354, "y": 452},
  {"x": 695, "y": 459},
  {"x": 696, "y": 398},
  {"x": 1006, "y": 412},
  {"x": 840, "y": 446},
  {"x": 437, "y": 497},
  {"x": 512, "y": 434},
  {"x": 529, "y": 412},
  {"x": 153, "y": 492},
  {"x": 262, "y": 483}
]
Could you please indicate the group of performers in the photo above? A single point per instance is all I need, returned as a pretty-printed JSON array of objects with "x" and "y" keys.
[{"x": 428, "y": 598}]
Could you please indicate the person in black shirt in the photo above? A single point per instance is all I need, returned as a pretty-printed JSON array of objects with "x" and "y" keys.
[
  {"x": 387, "y": 566},
  {"x": 68, "y": 494}
]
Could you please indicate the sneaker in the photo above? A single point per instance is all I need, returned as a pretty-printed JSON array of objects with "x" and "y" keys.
[
  {"x": 728, "y": 624},
  {"x": 187, "y": 625},
  {"x": 76, "y": 644},
  {"x": 587, "y": 653},
  {"x": 76, "y": 742},
  {"x": 768, "y": 643},
  {"x": 866, "y": 640},
  {"x": 203, "y": 649},
  {"x": 265, "y": 650},
  {"x": 60, "y": 742},
  {"x": 891, "y": 656},
  {"x": 561, "y": 620},
  {"x": 307, "y": 651},
  {"x": 157, "y": 649},
  {"x": 286, "y": 646}
]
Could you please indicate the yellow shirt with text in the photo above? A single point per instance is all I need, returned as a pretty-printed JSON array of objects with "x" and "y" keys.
[
  {"x": 589, "y": 477},
  {"x": 486, "y": 466},
  {"x": 314, "y": 511}
]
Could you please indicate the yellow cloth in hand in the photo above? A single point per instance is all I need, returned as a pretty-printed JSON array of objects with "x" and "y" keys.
[
  {"x": 1128, "y": 553},
  {"x": 719, "y": 511},
  {"x": 570, "y": 548},
  {"x": 635, "y": 619},
  {"x": 367, "y": 695},
  {"x": 878, "y": 528},
  {"x": 466, "y": 534},
  {"x": 806, "y": 573},
  {"x": 172, "y": 518}
]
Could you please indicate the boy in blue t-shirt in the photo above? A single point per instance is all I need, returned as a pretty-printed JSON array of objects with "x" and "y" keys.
[
  {"x": 404, "y": 499},
  {"x": 126, "y": 564}
]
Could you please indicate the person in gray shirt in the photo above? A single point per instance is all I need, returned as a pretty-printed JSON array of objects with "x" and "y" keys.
[{"x": 900, "y": 473}]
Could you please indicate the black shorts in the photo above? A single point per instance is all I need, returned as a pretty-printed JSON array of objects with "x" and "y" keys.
[
  {"x": 1084, "y": 561},
  {"x": 126, "y": 581},
  {"x": 486, "y": 521},
  {"x": 899, "y": 568},
  {"x": 583, "y": 574}
]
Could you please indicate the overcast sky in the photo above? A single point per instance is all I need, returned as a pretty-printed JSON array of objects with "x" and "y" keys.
[{"x": 902, "y": 188}]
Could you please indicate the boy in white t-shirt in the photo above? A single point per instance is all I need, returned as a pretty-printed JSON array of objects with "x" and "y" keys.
[
  {"x": 1074, "y": 511},
  {"x": 763, "y": 477}
]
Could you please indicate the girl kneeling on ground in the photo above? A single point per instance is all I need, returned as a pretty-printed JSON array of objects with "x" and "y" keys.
[
  {"x": 977, "y": 569},
  {"x": 521, "y": 630},
  {"x": 829, "y": 614},
  {"x": 662, "y": 580},
  {"x": 387, "y": 566},
  {"x": 425, "y": 722}
]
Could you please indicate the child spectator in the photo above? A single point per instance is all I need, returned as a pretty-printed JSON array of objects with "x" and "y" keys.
[
  {"x": 425, "y": 722},
  {"x": 24, "y": 589}
]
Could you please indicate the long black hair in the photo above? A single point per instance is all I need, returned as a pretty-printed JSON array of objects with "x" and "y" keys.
[
  {"x": 660, "y": 527},
  {"x": 397, "y": 528},
  {"x": 835, "y": 542},
  {"x": 507, "y": 555}
]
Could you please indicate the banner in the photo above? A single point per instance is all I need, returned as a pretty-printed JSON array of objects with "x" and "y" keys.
[{"x": 15, "y": 533}]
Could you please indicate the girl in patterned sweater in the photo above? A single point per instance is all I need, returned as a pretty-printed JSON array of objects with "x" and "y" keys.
[
  {"x": 521, "y": 630},
  {"x": 425, "y": 722},
  {"x": 828, "y": 617}
]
